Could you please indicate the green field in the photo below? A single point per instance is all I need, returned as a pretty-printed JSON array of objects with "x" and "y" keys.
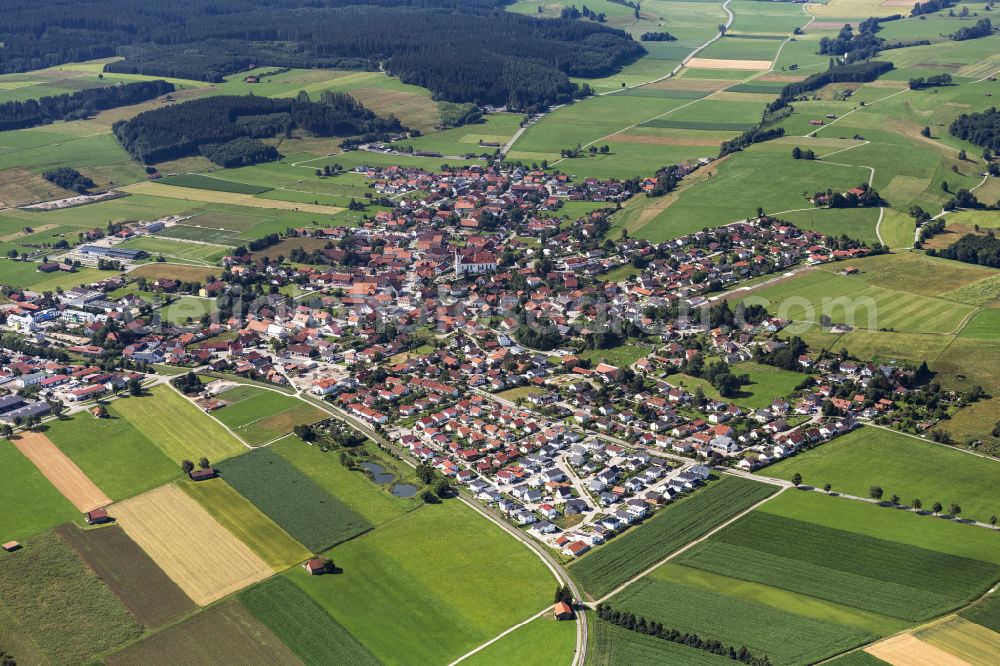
[
  {"x": 902, "y": 465},
  {"x": 303, "y": 625},
  {"x": 766, "y": 384},
  {"x": 983, "y": 326},
  {"x": 985, "y": 612},
  {"x": 113, "y": 453},
  {"x": 438, "y": 564},
  {"x": 130, "y": 573},
  {"x": 374, "y": 503},
  {"x": 53, "y": 606},
  {"x": 842, "y": 567},
  {"x": 543, "y": 642},
  {"x": 625, "y": 556},
  {"x": 48, "y": 507},
  {"x": 173, "y": 249},
  {"x": 307, "y": 512},
  {"x": 180, "y": 429},
  {"x": 225, "y": 633},
  {"x": 247, "y": 523},
  {"x": 260, "y": 416},
  {"x": 611, "y": 645},
  {"x": 210, "y": 183},
  {"x": 784, "y": 636}
]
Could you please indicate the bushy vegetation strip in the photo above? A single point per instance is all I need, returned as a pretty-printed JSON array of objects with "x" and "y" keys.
[{"x": 73, "y": 106}]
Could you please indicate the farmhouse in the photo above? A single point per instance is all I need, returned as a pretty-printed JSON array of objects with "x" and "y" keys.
[
  {"x": 202, "y": 474},
  {"x": 97, "y": 517},
  {"x": 318, "y": 566},
  {"x": 11, "y": 546},
  {"x": 562, "y": 611}
]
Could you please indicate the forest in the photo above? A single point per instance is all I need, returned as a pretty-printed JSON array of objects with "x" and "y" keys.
[
  {"x": 81, "y": 104},
  {"x": 463, "y": 51},
  {"x": 982, "y": 129},
  {"x": 860, "y": 72},
  {"x": 974, "y": 249},
  {"x": 182, "y": 129}
]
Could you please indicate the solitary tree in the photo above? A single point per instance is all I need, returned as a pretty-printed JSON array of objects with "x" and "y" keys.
[
  {"x": 134, "y": 387},
  {"x": 875, "y": 492},
  {"x": 796, "y": 479},
  {"x": 926, "y": 132},
  {"x": 894, "y": 500},
  {"x": 203, "y": 463},
  {"x": 187, "y": 466},
  {"x": 826, "y": 488},
  {"x": 442, "y": 488},
  {"x": 993, "y": 521},
  {"x": 917, "y": 504},
  {"x": 954, "y": 510},
  {"x": 936, "y": 508}
]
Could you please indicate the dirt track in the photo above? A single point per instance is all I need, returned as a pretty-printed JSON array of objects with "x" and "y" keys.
[{"x": 61, "y": 471}]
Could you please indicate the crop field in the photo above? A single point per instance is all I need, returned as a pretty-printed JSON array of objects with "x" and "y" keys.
[
  {"x": 226, "y": 633},
  {"x": 185, "y": 273},
  {"x": 53, "y": 606},
  {"x": 113, "y": 453},
  {"x": 307, "y": 630},
  {"x": 193, "y": 194},
  {"x": 202, "y": 182},
  {"x": 985, "y": 612},
  {"x": 842, "y": 567},
  {"x": 611, "y": 645},
  {"x": 373, "y": 503},
  {"x": 906, "y": 650},
  {"x": 247, "y": 523},
  {"x": 191, "y": 547},
  {"x": 306, "y": 511},
  {"x": 412, "y": 568},
  {"x": 542, "y": 642},
  {"x": 856, "y": 658},
  {"x": 786, "y": 637},
  {"x": 61, "y": 472},
  {"x": 903, "y": 527},
  {"x": 181, "y": 430},
  {"x": 625, "y": 556},
  {"x": 48, "y": 506},
  {"x": 966, "y": 640},
  {"x": 261, "y": 416},
  {"x": 148, "y": 593},
  {"x": 903, "y": 465}
]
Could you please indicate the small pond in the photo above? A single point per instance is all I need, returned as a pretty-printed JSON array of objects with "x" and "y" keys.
[
  {"x": 379, "y": 475},
  {"x": 404, "y": 490}
]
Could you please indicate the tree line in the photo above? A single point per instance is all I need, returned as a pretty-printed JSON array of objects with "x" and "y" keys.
[
  {"x": 462, "y": 51},
  {"x": 81, "y": 104},
  {"x": 981, "y": 129},
  {"x": 69, "y": 179},
  {"x": 973, "y": 249},
  {"x": 860, "y": 72},
  {"x": 640, "y": 625},
  {"x": 181, "y": 129}
]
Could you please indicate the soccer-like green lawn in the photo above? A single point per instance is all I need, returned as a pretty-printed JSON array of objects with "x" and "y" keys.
[
  {"x": 902, "y": 465},
  {"x": 543, "y": 642},
  {"x": 181, "y": 430},
  {"x": 431, "y": 586},
  {"x": 260, "y": 416},
  {"x": 116, "y": 456}
]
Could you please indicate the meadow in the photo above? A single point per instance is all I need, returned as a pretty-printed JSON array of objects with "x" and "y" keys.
[
  {"x": 766, "y": 384},
  {"x": 627, "y": 555},
  {"x": 303, "y": 625},
  {"x": 48, "y": 507},
  {"x": 542, "y": 642},
  {"x": 373, "y": 503},
  {"x": 307, "y": 512},
  {"x": 177, "y": 427},
  {"x": 247, "y": 523},
  {"x": 57, "y": 608},
  {"x": 440, "y": 564},
  {"x": 148, "y": 593},
  {"x": 178, "y": 250},
  {"x": 784, "y": 636},
  {"x": 902, "y": 465},
  {"x": 118, "y": 457},
  {"x": 225, "y": 633}
]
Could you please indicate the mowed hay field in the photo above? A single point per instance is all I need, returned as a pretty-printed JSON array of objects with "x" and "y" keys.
[
  {"x": 224, "y": 634},
  {"x": 243, "y": 519},
  {"x": 181, "y": 430},
  {"x": 307, "y": 630},
  {"x": 232, "y": 198},
  {"x": 54, "y": 610},
  {"x": 627, "y": 555},
  {"x": 902, "y": 465},
  {"x": 260, "y": 416},
  {"x": 308, "y": 513},
  {"x": 429, "y": 587},
  {"x": 969, "y": 641},
  {"x": 48, "y": 506},
  {"x": 130, "y": 573},
  {"x": 906, "y": 650},
  {"x": 542, "y": 642},
  {"x": 62, "y": 472},
  {"x": 204, "y": 559}
]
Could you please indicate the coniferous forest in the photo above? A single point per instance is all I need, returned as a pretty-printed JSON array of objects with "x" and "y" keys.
[
  {"x": 462, "y": 50},
  {"x": 72, "y": 106},
  {"x": 184, "y": 129}
]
